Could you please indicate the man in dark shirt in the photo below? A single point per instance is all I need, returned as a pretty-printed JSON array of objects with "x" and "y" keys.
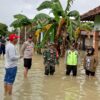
[{"x": 2, "y": 45}]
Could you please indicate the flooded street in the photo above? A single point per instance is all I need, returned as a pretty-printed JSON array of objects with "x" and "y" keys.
[{"x": 58, "y": 87}]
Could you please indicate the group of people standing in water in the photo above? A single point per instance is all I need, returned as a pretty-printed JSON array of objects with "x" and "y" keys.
[{"x": 51, "y": 58}]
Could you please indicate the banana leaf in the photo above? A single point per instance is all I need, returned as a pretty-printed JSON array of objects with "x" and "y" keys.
[
  {"x": 42, "y": 19},
  {"x": 70, "y": 31},
  {"x": 19, "y": 16},
  {"x": 16, "y": 23},
  {"x": 86, "y": 27},
  {"x": 76, "y": 16},
  {"x": 46, "y": 36},
  {"x": 45, "y": 5},
  {"x": 69, "y": 3},
  {"x": 52, "y": 35},
  {"x": 25, "y": 21}
]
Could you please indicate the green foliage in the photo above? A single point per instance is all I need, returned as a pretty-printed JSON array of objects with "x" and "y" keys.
[
  {"x": 69, "y": 3},
  {"x": 3, "y": 29},
  {"x": 41, "y": 16},
  {"x": 25, "y": 21},
  {"x": 20, "y": 20},
  {"x": 42, "y": 19},
  {"x": 74, "y": 14},
  {"x": 87, "y": 26},
  {"x": 47, "y": 36},
  {"x": 70, "y": 30},
  {"x": 19, "y": 16},
  {"x": 45, "y": 5},
  {"x": 16, "y": 24},
  {"x": 55, "y": 6},
  {"x": 58, "y": 12}
]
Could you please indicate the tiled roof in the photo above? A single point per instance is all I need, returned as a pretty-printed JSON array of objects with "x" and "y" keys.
[{"x": 90, "y": 15}]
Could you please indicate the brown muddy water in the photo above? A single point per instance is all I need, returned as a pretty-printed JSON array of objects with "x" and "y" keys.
[{"x": 58, "y": 87}]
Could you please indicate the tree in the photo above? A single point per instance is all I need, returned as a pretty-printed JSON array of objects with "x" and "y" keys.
[
  {"x": 42, "y": 25},
  {"x": 20, "y": 22},
  {"x": 25, "y": 22},
  {"x": 3, "y": 29},
  {"x": 63, "y": 17},
  {"x": 68, "y": 21}
]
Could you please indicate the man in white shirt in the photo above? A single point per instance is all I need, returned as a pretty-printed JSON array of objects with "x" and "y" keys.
[{"x": 11, "y": 61}]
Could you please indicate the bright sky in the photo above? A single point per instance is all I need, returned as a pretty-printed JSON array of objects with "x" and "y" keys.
[{"x": 8, "y": 8}]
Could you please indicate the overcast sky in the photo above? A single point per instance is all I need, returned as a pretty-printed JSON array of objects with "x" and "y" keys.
[{"x": 8, "y": 8}]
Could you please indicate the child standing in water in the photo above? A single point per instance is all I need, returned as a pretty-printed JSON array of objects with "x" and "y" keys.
[{"x": 90, "y": 62}]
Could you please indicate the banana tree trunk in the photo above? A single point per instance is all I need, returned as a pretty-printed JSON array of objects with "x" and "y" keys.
[
  {"x": 63, "y": 43},
  {"x": 62, "y": 21}
]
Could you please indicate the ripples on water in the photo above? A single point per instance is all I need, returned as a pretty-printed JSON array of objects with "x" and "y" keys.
[{"x": 58, "y": 87}]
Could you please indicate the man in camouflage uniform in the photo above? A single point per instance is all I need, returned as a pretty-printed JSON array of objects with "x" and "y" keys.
[{"x": 50, "y": 59}]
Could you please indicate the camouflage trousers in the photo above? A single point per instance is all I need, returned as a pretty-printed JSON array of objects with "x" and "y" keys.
[{"x": 49, "y": 69}]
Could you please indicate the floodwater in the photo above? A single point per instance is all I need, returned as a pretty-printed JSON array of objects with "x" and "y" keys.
[{"x": 58, "y": 87}]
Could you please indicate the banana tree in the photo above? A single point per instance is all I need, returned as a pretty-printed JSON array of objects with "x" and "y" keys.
[
  {"x": 63, "y": 18},
  {"x": 16, "y": 24},
  {"x": 57, "y": 11},
  {"x": 21, "y": 21},
  {"x": 55, "y": 7},
  {"x": 25, "y": 22},
  {"x": 42, "y": 24}
]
